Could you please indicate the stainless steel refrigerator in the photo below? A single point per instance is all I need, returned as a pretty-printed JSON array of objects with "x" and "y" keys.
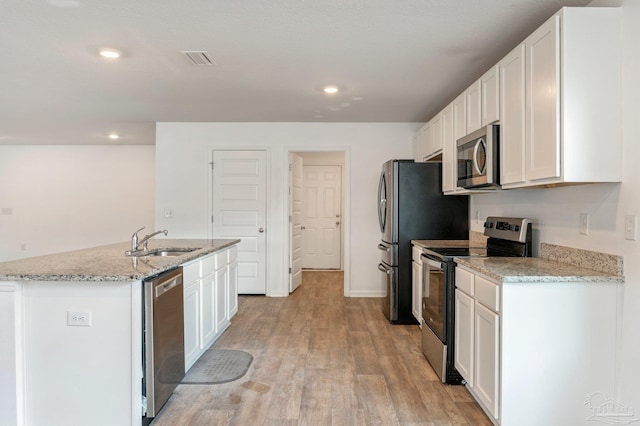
[{"x": 411, "y": 206}]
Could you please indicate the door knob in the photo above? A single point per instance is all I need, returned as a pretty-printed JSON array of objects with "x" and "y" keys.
[
  {"x": 337, "y": 223},
  {"x": 261, "y": 230},
  {"x": 303, "y": 227}
]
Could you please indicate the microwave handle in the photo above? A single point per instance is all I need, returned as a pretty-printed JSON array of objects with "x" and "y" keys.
[{"x": 479, "y": 143}]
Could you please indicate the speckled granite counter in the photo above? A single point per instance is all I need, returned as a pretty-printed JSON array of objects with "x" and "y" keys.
[
  {"x": 107, "y": 263},
  {"x": 534, "y": 269}
]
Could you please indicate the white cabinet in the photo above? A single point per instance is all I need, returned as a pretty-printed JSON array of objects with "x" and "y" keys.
[
  {"x": 232, "y": 307},
  {"x": 421, "y": 142},
  {"x": 487, "y": 357},
  {"x": 512, "y": 121},
  {"x": 435, "y": 141},
  {"x": 191, "y": 318},
  {"x": 210, "y": 300},
  {"x": 449, "y": 171},
  {"x": 464, "y": 336},
  {"x": 490, "y": 94},
  {"x": 518, "y": 342},
  {"x": 571, "y": 102},
  {"x": 474, "y": 107},
  {"x": 416, "y": 284}
]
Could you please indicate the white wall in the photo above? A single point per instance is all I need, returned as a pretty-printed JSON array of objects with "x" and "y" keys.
[
  {"x": 59, "y": 198},
  {"x": 183, "y": 151},
  {"x": 557, "y": 210}
]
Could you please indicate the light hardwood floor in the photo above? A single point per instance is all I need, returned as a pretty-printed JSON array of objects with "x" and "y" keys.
[{"x": 322, "y": 359}]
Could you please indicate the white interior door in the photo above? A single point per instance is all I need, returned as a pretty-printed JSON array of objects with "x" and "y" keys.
[
  {"x": 321, "y": 219},
  {"x": 239, "y": 211},
  {"x": 295, "y": 221}
]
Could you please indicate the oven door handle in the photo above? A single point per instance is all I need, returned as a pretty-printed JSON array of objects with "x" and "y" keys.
[{"x": 431, "y": 262}]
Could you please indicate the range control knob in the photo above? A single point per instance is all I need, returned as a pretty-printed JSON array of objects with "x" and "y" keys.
[{"x": 515, "y": 228}]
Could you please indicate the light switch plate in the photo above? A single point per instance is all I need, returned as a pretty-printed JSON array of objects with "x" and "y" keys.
[{"x": 631, "y": 227}]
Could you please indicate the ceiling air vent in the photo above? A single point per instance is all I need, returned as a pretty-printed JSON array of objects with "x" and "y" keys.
[{"x": 200, "y": 58}]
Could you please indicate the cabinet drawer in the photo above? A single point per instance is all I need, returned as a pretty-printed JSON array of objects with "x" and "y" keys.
[
  {"x": 487, "y": 293},
  {"x": 208, "y": 265},
  {"x": 221, "y": 259},
  {"x": 233, "y": 254},
  {"x": 190, "y": 272},
  {"x": 464, "y": 281},
  {"x": 416, "y": 253}
]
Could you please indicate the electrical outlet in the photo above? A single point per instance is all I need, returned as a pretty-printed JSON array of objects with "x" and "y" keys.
[
  {"x": 630, "y": 227},
  {"x": 75, "y": 318},
  {"x": 584, "y": 223},
  {"x": 168, "y": 213}
]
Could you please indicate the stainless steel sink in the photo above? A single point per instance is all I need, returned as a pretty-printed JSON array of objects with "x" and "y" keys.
[{"x": 175, "y": 251}]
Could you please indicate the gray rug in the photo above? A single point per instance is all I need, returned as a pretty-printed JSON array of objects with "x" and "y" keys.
[{"x": 218, "y": 366}]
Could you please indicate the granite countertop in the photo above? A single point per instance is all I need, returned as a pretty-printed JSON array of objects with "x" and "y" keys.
[
  {"x": 534, "y": 270},
  {"x": 107, "y": 263}
]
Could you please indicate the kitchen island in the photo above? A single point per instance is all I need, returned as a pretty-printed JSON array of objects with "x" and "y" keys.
[{"x": 53, "y": 373}]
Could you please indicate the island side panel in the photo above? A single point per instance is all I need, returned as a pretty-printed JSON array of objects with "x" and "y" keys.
[
  {"x": 76, "y": 375},
  {"x": 11, "y": 384},
  {"x": 557, "y": 348}
]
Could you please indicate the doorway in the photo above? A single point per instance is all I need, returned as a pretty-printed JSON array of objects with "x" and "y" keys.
[{"x": 318, "y": 213}]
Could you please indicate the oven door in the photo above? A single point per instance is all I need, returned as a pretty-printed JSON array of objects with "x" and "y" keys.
[
  {"x": 433, "y": 296},
  {"x": 390, "y": 282}
]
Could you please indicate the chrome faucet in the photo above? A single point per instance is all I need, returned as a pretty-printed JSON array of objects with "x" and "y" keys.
[{"x": 135, "y": 245}]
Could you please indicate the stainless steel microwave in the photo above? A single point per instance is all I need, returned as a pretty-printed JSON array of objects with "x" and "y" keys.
[{"x": 478, "y": 160}]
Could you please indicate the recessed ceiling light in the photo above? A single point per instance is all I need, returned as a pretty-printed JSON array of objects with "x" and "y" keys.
[
  {"x": 114, "y": 136},
  {"x": 331, "y": 89},
  {"x": 110, "y": 53}
]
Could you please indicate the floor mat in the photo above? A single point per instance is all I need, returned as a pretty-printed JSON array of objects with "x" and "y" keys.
[{"x": 218, "y": 366}]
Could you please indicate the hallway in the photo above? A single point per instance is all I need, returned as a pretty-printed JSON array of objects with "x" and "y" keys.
[{"x": 322, "y": 359}]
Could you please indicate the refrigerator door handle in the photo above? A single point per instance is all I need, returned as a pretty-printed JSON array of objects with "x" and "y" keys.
[{"x": 382, "y": 203}]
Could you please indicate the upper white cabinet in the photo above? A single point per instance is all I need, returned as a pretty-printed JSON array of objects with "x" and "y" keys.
[
  {"x": 490, "y": 95},
  {"x": 474, "y": 107},
  {"x": 449, "y": 172},
  {"x": 571, "y": 102},
  {"x": 427, "y": 142}
]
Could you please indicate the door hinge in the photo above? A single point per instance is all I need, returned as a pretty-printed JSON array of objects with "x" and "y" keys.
[
  {"x": 211, "y": 165},
  {"x": 289, "y": 270},
  {"x": 290, "y": 167},
  {"x": 212, "y": 219},
  {"x": 290, "y": 218}
]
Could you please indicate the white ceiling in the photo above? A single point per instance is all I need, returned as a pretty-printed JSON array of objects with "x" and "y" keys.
[{"x": 396, "y": 61}]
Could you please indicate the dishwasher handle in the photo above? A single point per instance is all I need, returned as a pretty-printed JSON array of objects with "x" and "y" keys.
[{"x": 165, "y": 286}]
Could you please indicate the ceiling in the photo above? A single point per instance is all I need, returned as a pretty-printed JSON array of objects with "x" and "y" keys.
[{"x": 394, "y": 61}]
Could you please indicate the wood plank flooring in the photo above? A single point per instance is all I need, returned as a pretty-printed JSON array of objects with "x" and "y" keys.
[{"x": 322, "y": 359}]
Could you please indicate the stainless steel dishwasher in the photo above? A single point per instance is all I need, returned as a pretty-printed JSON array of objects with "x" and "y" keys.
[{"x": 163, "y": 334}]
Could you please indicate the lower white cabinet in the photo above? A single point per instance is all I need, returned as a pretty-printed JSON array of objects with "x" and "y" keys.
[
  {"x": 416, "y": 284},
  {"x": 210, "y": 300},
  {"x": 532, "y": 353}
]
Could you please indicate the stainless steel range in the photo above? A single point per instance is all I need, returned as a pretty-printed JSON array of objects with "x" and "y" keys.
[{"x": 508, "y": 237}]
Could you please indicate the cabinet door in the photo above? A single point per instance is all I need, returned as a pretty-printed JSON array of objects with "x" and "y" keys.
[
  {"x": 464, "y": 336},
  {"x": 416, "y": 286},
  {"x": 490, "y": 93},
  {"x": 543, "y": 99},
  {"x": 449, "y": 164},
  {"x": 487, "y": 357},
  {"x": 459, "y": 118},
  {"x": 208, "y": 309},
  {"x": 221, "y": 297},
  {"x": 474, "y": 107},
  {"x": 512, "y": 117},
  {"x": 191, "y": 323},
  {"x": 232, "y": 295},
  {"x": 435, "y": 142}
]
